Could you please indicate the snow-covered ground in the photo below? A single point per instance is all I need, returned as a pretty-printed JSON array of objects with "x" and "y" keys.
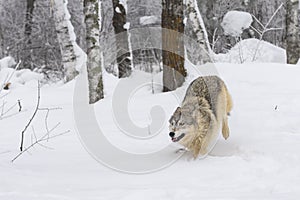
[{"x": 260, "y": 160}]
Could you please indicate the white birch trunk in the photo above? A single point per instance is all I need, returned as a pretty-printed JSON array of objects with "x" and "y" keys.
[
  {"x": 65, "y": 39},
  {"x": 199, "y": 29},
  {"x": 91, "y": 13},
  {"x": 292, "y": 30}
]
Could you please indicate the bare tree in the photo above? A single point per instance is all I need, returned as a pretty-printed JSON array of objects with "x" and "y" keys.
[
  {"x": 66, "y": 42},
  {"x": 174, "y": 72},
  {"x": 198, "y": 26},
  {"x": 123, "y": 53},
  {"x": 91, "y": 13},
  {"x": 292, "y": 30}
]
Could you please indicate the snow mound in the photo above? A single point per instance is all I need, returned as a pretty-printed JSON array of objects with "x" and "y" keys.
[
  {"x": 7, "y": 62},
  {"x": 235, "y": 22},
  {"x": 146, "y": 20},
  {"x": 253, "y": 50},
  {"x": 19, "y": 77}
]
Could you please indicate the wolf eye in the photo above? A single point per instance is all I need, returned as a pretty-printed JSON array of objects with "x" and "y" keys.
[{"x": 181, "y": 124}]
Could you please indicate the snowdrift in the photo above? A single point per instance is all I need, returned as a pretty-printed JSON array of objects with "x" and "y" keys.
[{"x": 253, "y": 50}]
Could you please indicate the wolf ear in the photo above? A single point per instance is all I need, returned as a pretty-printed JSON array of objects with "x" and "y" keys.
[
  {"x": 176, "y": 115},
  {"x": 178, "y": 110}
]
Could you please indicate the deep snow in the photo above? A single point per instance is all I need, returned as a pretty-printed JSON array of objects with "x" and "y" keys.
[{"x": 260, "y": 160}]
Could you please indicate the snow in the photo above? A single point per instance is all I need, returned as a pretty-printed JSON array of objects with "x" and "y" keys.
[
  {"x": 19, "y": 77},
  {"x": 185, "y": 20},
  {"x": 124, "y": 3},
  {"x": 260, "y": 160},
  {"x": 126, "y": 25},
  {"x": 147, "y": 20},
  {"x": 234, "y": 22},
  {"x": 7, "y": 62},
  {"x": 253, "y": 50},
  {"x": 118, "y": 10}
]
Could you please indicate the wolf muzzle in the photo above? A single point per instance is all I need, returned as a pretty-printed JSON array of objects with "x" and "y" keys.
[{"x": 176, "y": 139}]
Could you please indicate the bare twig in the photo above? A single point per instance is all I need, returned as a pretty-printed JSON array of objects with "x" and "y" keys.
[
  {"x": 34, "y": 113},
  {"x": 4, "y": 112},
  {"x": 264, "y": 29},
  {"x": 1, "y": 97},
  {"x": 257, "y": 21},
  {"x": 11, "y": 115},
  {"x": 34, "y": 139},
  {"x": 214, "y": 39},
  {"x": 20, "y": 106},
  {"x": 43, "y": 138},
  {"x": 11, "y": 75},
  {"x": 9, "y": 109}
]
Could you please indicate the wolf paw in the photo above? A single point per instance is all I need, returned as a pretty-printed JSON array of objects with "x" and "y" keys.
[{"x": 181, "y": 150}]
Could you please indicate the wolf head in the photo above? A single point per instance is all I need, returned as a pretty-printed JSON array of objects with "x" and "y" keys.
[{"x": 182, "y": 123}]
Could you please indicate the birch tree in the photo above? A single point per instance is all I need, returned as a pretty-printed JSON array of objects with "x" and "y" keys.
[
  {"x": 66, "y": 42},
  {"x": 292, "y": 31},
  {"x": 174, "y": 72},
  {"x": 198, "y": 26},
  {"x": 123, "y": 53},
  {"x": 91, "y": 19}
]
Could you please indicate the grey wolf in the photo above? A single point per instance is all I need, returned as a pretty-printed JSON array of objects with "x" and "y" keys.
[{"x": 203, "y": 112}]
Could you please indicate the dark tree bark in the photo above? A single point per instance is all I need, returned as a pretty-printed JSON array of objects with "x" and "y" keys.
[
  {"x": 123, "y": 53},
  {"x": 28, "y": 31},
  {"x": 174, "y": 72},
  {"x": 292, "y": 31},
  {"x": 1, "y": 43},
  {"x": 28, "y": 19}
]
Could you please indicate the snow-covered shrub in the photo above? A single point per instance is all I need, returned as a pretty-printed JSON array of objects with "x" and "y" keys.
[
  {"x": 7, "y": 62},
  {"x": 235, "y": 22}
]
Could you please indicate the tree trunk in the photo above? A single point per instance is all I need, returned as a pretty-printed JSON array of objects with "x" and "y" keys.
[
  {"x": 292, "y": 31},
  {"x": 2, "y": 51},
  {"x": 28, "y": 19},
  {"x": 66, "y": 42},
  {"x": 28, "y": 30},
  {"x": 199, "y": 29},
  {"x": 123, "y": 53},
  {"x": 174, "y": 72},
  {"x": 91, "y": 13}
]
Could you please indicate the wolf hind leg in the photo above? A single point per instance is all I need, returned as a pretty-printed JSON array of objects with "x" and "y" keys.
[
  {"x": 229, "y": 103},
  {"x": 225, "y": 128}
]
